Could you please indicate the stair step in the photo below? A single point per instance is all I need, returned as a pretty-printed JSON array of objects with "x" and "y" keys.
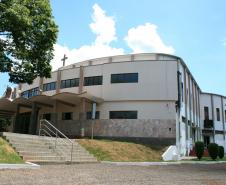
[
  {"x": 42, "y": 149},
  {"x": 29, "y": 153},
  {"x": 56, "y": 158}
]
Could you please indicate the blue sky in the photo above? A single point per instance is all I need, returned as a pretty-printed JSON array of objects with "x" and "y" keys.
[{"x": 195, "y": 30}]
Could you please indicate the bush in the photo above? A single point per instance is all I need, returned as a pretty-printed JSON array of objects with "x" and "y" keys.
[
  {"x": 213, "y": 150},
  {"x": 199, "y": 149},
  {"x": 4, "y": 124},
  {"x": 221, "y": 152}
]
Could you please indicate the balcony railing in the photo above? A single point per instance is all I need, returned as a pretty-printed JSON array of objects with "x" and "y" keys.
[{"x": 208, "y": 124}]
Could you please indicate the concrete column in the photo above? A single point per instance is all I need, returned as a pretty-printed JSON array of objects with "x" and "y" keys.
[
  {"x": 54, "y": 118},
  {"x": 40, "y": 86},
  {"x": 213, "y": 117},
  {"x": 82, "y": 116},
  {"x": 81, "y": 79},
  {"x": 15, "y": 126},
  {"x": 186, "y": 108},
  {"x": 189, "y": 95},
  {"x": 58, "y": 82},
  {"x": 33, "y": 120},
  {"x": 223, "y": 118}
]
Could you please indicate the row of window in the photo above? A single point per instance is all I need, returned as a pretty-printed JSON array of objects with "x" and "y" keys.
[
  {"x": 112, "y": 115},
  {"x": 206, "y": 113},
  {"x": 88, "y": 81},
  {"x": 93, "y": 80},
  {"x": 30, "y": 93},
  {"x": 49, "y": 86},
  {"x": 69, "y": 83}
]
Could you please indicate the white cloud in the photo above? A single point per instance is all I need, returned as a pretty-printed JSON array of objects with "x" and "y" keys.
[
  {"x": 85, "y": 52},
  {"x": 145, "y": 38},
  {"x": 104, "y": 27}
]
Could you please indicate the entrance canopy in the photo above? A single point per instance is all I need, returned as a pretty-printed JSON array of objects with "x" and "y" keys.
[{"x": 8, "y": 107}]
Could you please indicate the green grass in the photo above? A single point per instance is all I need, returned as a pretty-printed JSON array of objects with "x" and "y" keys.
[
  {"x": 209, "y": 159},
  {"x": 121, "y": 151},
  {"x": 7, "y": 153}
]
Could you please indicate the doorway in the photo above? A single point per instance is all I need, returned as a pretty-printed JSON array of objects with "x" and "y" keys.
[
  {"x": 206, "y": 141},
  {"x": 23, "y": 123}
]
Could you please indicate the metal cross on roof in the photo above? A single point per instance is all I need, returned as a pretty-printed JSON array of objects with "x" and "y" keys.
[{"x": 64, "y": 59}]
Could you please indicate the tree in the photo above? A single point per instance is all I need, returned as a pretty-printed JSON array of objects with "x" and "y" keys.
[
  {"x": 27, "y": 35},
  {"x": 199, "y": 149}
]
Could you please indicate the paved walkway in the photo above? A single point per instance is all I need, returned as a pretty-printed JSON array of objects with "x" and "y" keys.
[{"x": 102, "y": 174}]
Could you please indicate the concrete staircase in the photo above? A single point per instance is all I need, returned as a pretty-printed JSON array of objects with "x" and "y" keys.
[{"x": 41, "y": 149}]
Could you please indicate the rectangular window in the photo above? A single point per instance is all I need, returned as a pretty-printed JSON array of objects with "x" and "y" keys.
[
  {"x": 49, "y": 86},
  {"x": 89, "y": 115},
  {"x": 218, "y": 114},
  {"x": 30, "y": 93},
  {"x": 206, "y": 113},
  {"x": 124, "y": 78},
  {"x": 70, "y": 83},
  {"x": 182, "y": 91},
  {"x": 47, "y": 116},
  {"x": 123, "y": 114},
  {"x": 225, "y": 115},
  {"x": 67, "y": 116},
  {"x": 93, "y": 80}
]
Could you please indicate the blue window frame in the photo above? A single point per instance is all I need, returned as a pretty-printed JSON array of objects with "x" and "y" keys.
[{"x": 49, "y": 86}]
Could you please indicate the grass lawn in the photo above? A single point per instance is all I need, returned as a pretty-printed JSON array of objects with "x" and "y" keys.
[
  {"x": 7, "y": 153},
  {"x": 209, "y": 159},
  {"x": 120, "y": 151}
]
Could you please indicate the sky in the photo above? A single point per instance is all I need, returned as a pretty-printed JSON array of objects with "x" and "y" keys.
[{"x": 194, "y": 30}]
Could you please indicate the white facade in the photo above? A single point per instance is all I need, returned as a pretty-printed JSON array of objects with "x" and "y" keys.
[
  {"x": 165, "y": 95},
  {"x": 213, "y": 109}
]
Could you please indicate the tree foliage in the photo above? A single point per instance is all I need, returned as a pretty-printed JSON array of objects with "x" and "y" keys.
[
  {"x": 221, "y": 152},
  {"x": 199, "y": 149},
  {"x": 213, "y": 150},
  {"x": 27, "y": 35}
]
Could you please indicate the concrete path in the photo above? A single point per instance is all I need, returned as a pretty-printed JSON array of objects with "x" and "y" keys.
[
  {"x": 27, "y": 165},
  {"x": 106, "y": 174}
]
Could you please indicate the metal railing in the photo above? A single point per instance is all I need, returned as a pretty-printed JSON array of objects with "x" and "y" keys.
[{"x": 47, "y": 129}]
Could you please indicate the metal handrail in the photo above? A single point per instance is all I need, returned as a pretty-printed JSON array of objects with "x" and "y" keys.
[{"x": 48, "y": 129}]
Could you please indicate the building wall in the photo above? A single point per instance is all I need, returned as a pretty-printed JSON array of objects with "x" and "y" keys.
[
  {"x": 155, "y": 97},
  {"x": 213, "y": 101}
]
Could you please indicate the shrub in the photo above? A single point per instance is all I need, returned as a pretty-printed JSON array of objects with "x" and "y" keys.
[
  {"x": 199, "y": 149},
  {"x": 221, "y": 152},
  {"x": 213, "y": 150},
  {"x": 4, "y": 124}
]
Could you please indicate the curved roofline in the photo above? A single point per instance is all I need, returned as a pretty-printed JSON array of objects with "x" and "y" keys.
[
  {"x": 163, "y": 54},
  {"x": 214, "y": 94}
]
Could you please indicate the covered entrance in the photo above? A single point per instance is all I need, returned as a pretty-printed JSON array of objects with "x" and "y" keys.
[
  {"x": 22, "y": 123},
  {"x": 26, "y": 113}
]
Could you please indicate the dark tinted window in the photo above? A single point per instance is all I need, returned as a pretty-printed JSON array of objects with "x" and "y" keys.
[
  {"x": 218, "y": 114},
  {"x": 70, "y": 83},
  {"x": 123, "y": 115},
  {"x": 47, "y": 116},
  {"x": 49, "y": 86},
  {"x": 225, "y": 115},
  {"x": 30, "y": 93},
  {"x": 206, "y": 113},
  {"x": 67, "y": 116},
  {"x": 124, "y": 78},
  {"x": 89, "y": 115},
  {"x": 93, "y": 80}
]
